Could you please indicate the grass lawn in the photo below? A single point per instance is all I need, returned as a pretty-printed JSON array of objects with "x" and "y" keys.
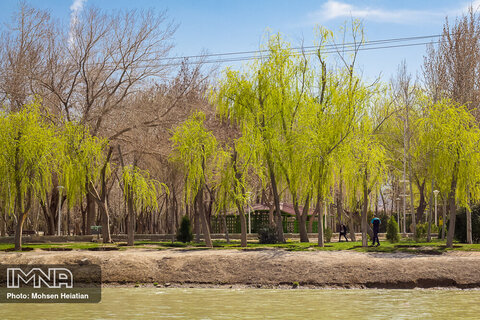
[{"x": 405, "y": 245}]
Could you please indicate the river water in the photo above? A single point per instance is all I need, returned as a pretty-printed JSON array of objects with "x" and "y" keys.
[{"x": 186, "y": 303}]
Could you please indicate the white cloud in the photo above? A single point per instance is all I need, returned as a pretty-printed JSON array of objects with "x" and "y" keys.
[
  {"x": 77, "y": 5},
  {"x": 333, "y": 9},
  {"x": 75, "y": 8}
]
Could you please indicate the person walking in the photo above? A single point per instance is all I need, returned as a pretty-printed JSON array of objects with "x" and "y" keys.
[
  {"x": 343, "y": 232},
  {"x": 376, "y": 226}
]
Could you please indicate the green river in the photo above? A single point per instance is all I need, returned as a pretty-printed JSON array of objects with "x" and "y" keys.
[{"x": 184, "y": 303}]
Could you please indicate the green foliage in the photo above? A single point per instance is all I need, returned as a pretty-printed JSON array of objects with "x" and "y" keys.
[
  {"x": 82, "y": 156},
  {"x": 421, "y": 232},
  {"x": 293, "y": 115},
  {"x": 29, "y": 149},
  {"x": 144, "y": 190},
  {"x": 450, "y": 138},
  {"x": 328, "y": 234},
  {"x": 230, "y": 181},
  {"x": 392, "y": 230},
  {"x": 461, "y": 225},
  {"x": 32, "y": 151},
  {"x": 267, "y": 235},
  {"x": 195, "y": 148},
  {"x": 185, "y": 232}
]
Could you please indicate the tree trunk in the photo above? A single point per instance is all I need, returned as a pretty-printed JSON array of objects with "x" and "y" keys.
[
  {"x": 130, "y": 220},
  {"x": 364, "y": 212},
  {"x": 384, "y": 205},
  {"x": 196, "y": 220},
  {"x": 351, "y": 227},
  {"x": 90, "y": 213},
  {"x": 3, "y": 225},
  {"x": 340, "y": 203},
  {"x": 203, "y": 218},
  {"x": 444, "y": 218},
  {"x": 311, "y": 219},
  {"x": 278, "y": 212},
  {"x": 430, "y": 205},
  {"x": 452, "y": 205},
  {"x": 412, "y": 208},
  {"x": 302, "y": 227},
  {"x": 469, "y": 219},
  {"x": 243, "y": 225},
  {"x": 422, "y": 203},
  {"x": 22, "y": 215},
  {"x": 105, "y": 216},
  {"x": 321, "y": 241},
  {"x": 241, "y": 211},
  {"x": 469, "y": 226},
  {"x": 19, "y": 230},
  {"x": 224, "y": 220},
  {"x": 50, "y": 210}
]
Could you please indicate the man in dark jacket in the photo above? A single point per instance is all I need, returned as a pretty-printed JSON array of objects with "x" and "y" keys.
[
  {"x": 343, "y": 232},
  {"x": 376, "y": 226}
]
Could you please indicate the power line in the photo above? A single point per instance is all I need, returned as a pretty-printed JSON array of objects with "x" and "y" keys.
[
  {"x": 307, "y": 53},
  {"x": 306, "y": 50},
  {"x": 366, "y": 43}
]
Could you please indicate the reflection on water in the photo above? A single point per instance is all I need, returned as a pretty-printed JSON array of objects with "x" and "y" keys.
[{"x": 179, "y": 303}]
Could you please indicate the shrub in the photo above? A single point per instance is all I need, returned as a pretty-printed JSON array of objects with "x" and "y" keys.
[
  {"x": 461, "y": 225},
  {"x": 185, "y": 232},
  {"x": 267, "y": 235},
  {"x": 421, "y": 232},
  {"x": 392, "y": 230},
  {"x": 328, "y": 234}
]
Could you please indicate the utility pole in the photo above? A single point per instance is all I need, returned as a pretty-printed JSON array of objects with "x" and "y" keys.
[
  {"x": 436, "y": 192},
  {"x": 60, "y": 188}
]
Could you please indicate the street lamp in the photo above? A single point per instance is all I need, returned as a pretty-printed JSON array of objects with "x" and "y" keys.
[
  {"x": 436, "y": 192},
  {"x": 398, "y": 209},
  {"x": 60, "y": 188}
]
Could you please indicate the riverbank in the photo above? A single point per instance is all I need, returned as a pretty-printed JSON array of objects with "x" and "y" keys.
[{"x": 269, "y": 268}]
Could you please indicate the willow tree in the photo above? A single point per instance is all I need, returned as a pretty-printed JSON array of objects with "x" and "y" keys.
[
  {"x": 363, "y": 157},
  {"x": 196, "y": 149},
  {"x": 140, "y": 192},
  {"x": 83, "y": 162},
  {"x": 262, "y": 101},
  {"x": 231, "y": 186},
  {"x": 27, "y": 161},
  {"x": 329, "y": 120},
  {"x": 452, "y": 132}
]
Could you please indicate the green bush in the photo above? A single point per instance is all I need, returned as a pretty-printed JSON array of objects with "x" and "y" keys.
[
  {"x": 328, "y": 234},
  {"x": 392, "y": 230},
  {"x": 267, "y": 235},
  {"x": 421, "y": 232},
  {"x": 461, "y": 225},
  {"x": 185, "y": 232}
]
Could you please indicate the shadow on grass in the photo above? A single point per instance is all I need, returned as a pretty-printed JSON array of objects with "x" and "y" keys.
[
  {"x": 103, "y": 249},
  {"x": 56, "y": 249},
  {"x": 13, "y": 249}
]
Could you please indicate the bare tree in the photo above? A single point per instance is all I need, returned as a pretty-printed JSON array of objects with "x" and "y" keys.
[
  {"x": 452, "y": 69},
  {"x": 22, "y": 44}
]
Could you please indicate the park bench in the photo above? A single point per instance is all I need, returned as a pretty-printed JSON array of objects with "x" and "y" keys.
[{"x": 29, "y": 233}]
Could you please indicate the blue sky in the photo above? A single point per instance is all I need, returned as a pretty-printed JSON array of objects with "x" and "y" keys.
[{"x": 218, "y": 26}]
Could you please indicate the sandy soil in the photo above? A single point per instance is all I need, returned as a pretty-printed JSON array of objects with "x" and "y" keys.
[{"x": 270, "y": 268}]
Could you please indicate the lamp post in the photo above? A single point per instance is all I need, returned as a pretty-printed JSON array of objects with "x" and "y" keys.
[
  {"x": 436, "y": 192},
  {"x": 404, "y": 226},
  {"x": 60, "y": 188},
  {"x": 398, "y": 209}
]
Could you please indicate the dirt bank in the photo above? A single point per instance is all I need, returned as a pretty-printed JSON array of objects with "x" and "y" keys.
[{"x": 270, "y": 268}]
